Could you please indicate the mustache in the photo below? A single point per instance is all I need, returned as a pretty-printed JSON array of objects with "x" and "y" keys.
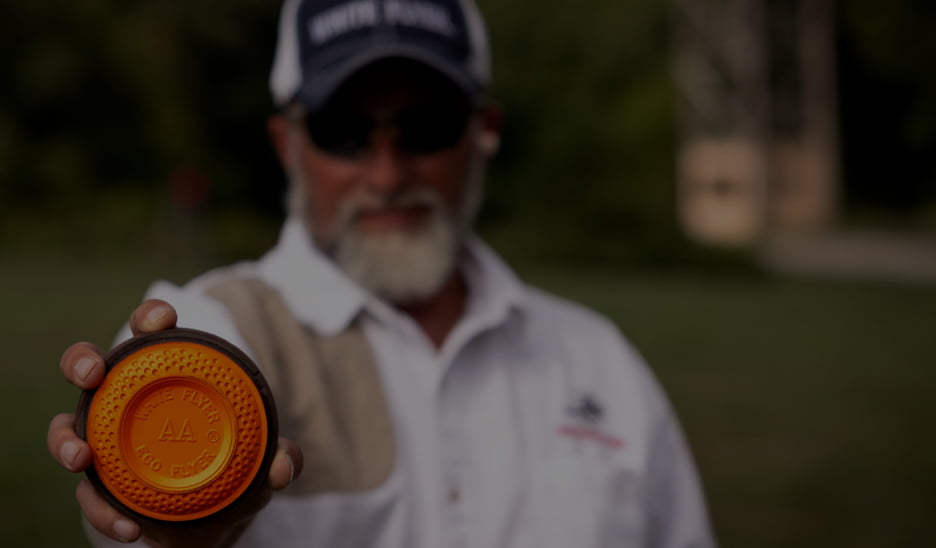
[{"x": 353, "y": 207}]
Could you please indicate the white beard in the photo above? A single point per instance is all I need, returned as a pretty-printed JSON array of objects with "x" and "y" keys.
[{"x": 399, "y": 266}]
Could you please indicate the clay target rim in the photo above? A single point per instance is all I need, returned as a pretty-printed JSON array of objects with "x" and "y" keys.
[{"x": 115, "y": 358}]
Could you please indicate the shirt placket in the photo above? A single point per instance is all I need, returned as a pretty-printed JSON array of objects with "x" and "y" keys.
[{"x": 454, "y": 462}]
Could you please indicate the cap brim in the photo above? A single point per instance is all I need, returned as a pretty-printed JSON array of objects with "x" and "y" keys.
[{"x": 315, "y": 92}]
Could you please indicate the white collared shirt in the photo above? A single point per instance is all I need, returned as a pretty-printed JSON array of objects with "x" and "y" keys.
[{"x": 535, "y": 425}]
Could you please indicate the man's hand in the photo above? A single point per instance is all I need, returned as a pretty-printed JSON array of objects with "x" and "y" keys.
[{"x": 82, "y": 365}]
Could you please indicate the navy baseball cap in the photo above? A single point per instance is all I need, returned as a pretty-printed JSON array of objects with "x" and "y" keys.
[{"x": 322, "y": 43}]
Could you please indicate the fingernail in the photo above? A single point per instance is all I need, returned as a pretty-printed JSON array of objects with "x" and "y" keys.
[
  {"x": 69, "y": 453},
  {"x": 83, "y": 368},
  {"x": 124, "y": 530},
  {"x": 155, "y": 314},
  {"x": 292, "y": 470}
]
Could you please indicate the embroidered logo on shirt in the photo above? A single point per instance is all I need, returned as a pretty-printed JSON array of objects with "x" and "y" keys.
[
  {"x": 588, "y": 413},
  {"x": 587, "y": 409}
]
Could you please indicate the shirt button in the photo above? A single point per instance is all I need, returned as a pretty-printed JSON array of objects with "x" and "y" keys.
[{"x": 454, "y": 495}]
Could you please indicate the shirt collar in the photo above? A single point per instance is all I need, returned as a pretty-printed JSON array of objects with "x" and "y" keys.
[
  {"x": 493, "y": 288},
  {"x": 322, "y": 296},
  {"x": 493, "y": 293}
]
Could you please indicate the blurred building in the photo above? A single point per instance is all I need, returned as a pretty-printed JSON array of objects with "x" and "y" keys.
[{"x": 759, "y": 153}]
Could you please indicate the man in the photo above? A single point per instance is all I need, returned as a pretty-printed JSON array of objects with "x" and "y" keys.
[{"x": 475, "y": 411}]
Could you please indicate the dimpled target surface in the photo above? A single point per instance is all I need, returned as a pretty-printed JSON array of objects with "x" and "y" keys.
[{"x": 178, "y": 429}]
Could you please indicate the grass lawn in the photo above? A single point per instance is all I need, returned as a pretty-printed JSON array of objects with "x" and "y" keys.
[{"x": 807, "y": 402}]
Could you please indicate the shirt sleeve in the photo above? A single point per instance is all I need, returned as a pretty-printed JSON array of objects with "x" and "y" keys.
[{"x": 673, "y": 494}]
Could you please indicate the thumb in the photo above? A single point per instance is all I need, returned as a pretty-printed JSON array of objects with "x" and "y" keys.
[{"x": 287, "y": 464}]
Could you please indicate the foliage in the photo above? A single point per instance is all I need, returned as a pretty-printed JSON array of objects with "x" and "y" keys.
[
  {"x": 106, "y": 99},
  {"x": 106, "y": 94},
  {"x": 587, "y": 163},
  {"x": 888, "y": 95}
]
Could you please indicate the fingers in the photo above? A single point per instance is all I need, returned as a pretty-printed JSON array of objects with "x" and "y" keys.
[
  {"x": 152, "y": 315},
  {"x": 103, "y": 517},
  {"x": 82, "y": 365},
  {"x": 287, "y": 464},
  {"x": 65, "y": 446}
]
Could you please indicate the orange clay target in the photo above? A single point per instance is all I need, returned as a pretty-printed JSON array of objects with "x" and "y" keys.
[{"x": 182, "y": 426}]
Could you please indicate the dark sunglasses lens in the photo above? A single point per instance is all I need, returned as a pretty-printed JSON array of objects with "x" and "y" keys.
[
  {"x": 431, "y": 128},
  {"x": 422, "y": 129},
  {"x": 341, "y": 134}
]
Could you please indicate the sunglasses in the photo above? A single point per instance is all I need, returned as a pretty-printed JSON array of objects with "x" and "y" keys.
[{"x": 424, "y": 128}]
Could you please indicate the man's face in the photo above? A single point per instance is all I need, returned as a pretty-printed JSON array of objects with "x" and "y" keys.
[{"x": 387, "y": 178}]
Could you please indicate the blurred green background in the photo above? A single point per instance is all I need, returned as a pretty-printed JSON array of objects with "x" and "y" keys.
[{"x": 806, "y": 399}]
